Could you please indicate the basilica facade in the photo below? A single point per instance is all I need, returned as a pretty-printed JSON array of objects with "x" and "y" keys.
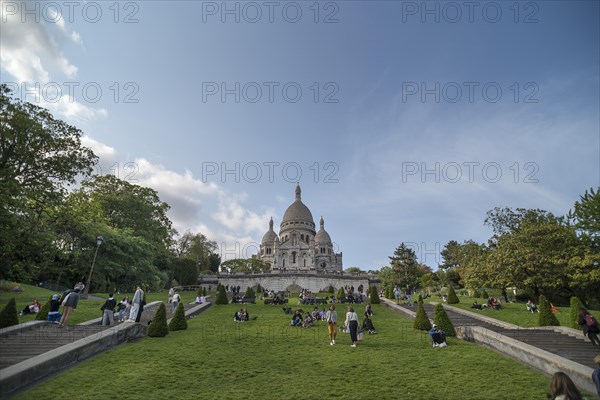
[{"x": 299, "y": 247}]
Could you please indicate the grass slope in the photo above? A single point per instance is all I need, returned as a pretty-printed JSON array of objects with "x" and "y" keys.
[{"x": 217, "y": 358}]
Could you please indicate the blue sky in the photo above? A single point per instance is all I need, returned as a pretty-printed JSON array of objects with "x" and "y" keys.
[{"x": 414, "y": 119}]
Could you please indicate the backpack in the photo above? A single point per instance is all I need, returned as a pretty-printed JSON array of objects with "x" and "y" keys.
[{"x": 590, "y": 320}]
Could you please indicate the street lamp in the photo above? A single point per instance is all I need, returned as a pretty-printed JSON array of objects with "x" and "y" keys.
[{"x": 86, "y": 290}]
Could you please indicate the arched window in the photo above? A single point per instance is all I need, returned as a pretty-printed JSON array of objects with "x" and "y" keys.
[
  {"x": 307, "y": 238},
  {"x": 328, "y": 251},
  {"x": 302, "y": 237},
  {"x": 304, "y": 262},
  {"x": 323, "y": 265},
  {"x": 293, "y": 257},
  {"x": 283, "y": 263},
  {"x": 322, "y": 250}
]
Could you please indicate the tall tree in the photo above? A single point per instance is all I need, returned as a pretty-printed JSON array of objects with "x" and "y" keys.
[
  {"x": 404, "y": 267},
  {"x": 39, "y": 157}
]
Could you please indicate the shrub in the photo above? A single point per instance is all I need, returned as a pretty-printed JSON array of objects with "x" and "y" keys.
[
  {"x": 341, "y": 294},
  {"x": 178, "y": 322},
  {"x": 485, "y": 294},
  {"x": 331, "y": 289},
  {"x": 374, "y": 297},
  {"x": 8, "y": 315},
  {"x": 546, "y": 316},
  {"x": 452, "y": 297},
  {"x": 421, "y": 320},
  {"x": 221, "y": 296},
  {"x": 576, "y": 304},
  {"x": 420, "y": 299},
  {"x": 42, "y": 315},
  {"x": 204, "y": 291},
  {"x": 441, "y": 319},
  {"x": 389, "y": 294},
  {"x": 249, "y": 292},
  {"x": 158, "y": 326},
  {"x": 476, "y": 294}
]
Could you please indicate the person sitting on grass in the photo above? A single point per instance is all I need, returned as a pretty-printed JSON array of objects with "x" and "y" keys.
[
  {"x": 531, "y": 307},
  {"x": 32, "y": 308},
  {"x": 438, "y": 336},
  {"x": 237, "y": 317},
  {"x": 244, "y": 316},
  {"x": 368, "y": 325},
  {"x": 494, "y": 304},
  {"x": 308, "y": 321},
  {"x": 296, "y": 319}
]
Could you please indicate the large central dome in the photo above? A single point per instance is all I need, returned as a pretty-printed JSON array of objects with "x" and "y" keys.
[{"x": 298, "y": 213}]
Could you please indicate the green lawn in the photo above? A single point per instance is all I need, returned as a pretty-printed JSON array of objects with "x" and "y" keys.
[
  {"x": 514, "y": 313},
  {"x": 218, "y": 358},
  {"x": 86, "y": 309}
]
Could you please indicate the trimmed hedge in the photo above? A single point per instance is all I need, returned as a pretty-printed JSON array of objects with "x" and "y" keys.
[
  {"x": 249, "y": 292},
  {"x": 221, "y": 296},
  {"x": 576, "y": 305},
  {"x": 374, "y": 296},
  {"x": 9, "y": 315},
  {"x": 341, "y": 294},
  {"x": 441, "y": 319},
  {"x": 476, "y": 294},
  {"x": 452, "y": 297},
  {"x": 546, "y": 316},
  {"x": 42, "y": 315},
  {"x": 158, "y": 326},
  {"x": 178, "y": 322},
  {"x": 421, "y": 320},
  {"x": 485, "y": 294}
]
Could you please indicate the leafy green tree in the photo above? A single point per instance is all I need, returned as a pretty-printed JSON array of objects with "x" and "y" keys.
[
  {"x": 575, "y": 306},
  {"x": 8, "y": 315},
  {"x": 421, "y": 321},
  {"x": 546, "y": 316},
  {"x": 204, "y": 291},
  {"x": 374, "y": 296},
  {"x": 39, "y": 157},
  {"x": 440, "y": 317},
  {"x": 452, "y": 297},
  {"x": 405, "y": 270},
  {"x": 353, "y": 270},
  {"x": 245, "y": 265},
  {"x": 178, "y": 322},
  {"x": 158, "y": 326},
  {"x": 221, "y": 296},
  {"x": 451, "y": 255}
]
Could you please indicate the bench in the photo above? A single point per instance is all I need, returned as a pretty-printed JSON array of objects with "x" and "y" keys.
[{"x": 276, "y": 301}]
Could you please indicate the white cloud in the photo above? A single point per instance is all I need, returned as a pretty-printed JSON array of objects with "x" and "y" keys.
[{"x": 31, "y": 53}]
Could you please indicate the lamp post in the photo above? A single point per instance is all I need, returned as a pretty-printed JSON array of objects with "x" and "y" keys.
[{"x": 86, "y": 290}]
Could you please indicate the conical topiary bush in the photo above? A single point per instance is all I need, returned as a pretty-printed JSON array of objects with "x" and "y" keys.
[
  {"x": 249, "y": 292},
  {"x": 575, "y": 306},
  {"x": 42, "y": 315},
  {"x": 204, "y": 291},
  {"x": 485, "y": 294},
  {"x": 476, "y": 294},
  {"x": 452, "y": 297},
  {"x": 178, "y": 322},
  {"x": 341, "y": 294},
  {"x": 158, "y": 326},
  {"x": 222, "y": 296},
  {"x": 441, "y": 319},
  {"x": 8, "y": 315},
  {"x": 421, "y": 321},
  {"x": 374, "y": 296},
  {"x": 546, "y": 316}
]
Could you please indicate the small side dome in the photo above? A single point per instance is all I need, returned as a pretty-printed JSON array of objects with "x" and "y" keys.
[{"x": 322, "y": 237}]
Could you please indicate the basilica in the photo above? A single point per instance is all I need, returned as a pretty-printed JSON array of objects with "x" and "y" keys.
[{"x": 299, "y": 247}]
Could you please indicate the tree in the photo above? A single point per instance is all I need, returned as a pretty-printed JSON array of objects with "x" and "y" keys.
[
  {"x": 249, "y": 292},
  {"x": 404, "y": 267},
  {"x": 341, "y": 294},
  {"x": 451, "y": 255},
  {"x": 8, "y": 315},
  {"x": 452, "y": 297},
  {"x": 178, "y": 322},
  {"x": 546, "y": 316},
  {"x": 441, "y": 319},
  {"x": 221, "y": 296},
  {"x": 39, "y": 157},
  {"x": 485, "y": 294},
  {"x": 158, "y": 326},
  {"x": 421, "y": 321},
  {"x": 245, "y": 265},
  {"x": 374, "y": 296},
  {"x": 476, "y": 294},
  {"x": 353, "y": 270},
  {"x": 575, "y": 306},
  {"x": 585, "y": 216},
  {"x": 331, "y": 289}
]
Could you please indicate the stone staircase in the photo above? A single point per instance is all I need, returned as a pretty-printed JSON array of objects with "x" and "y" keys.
[{"x": 570, "y": 347}]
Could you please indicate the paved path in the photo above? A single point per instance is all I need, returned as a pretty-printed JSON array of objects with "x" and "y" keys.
[{"x": 572, "y": 348}]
